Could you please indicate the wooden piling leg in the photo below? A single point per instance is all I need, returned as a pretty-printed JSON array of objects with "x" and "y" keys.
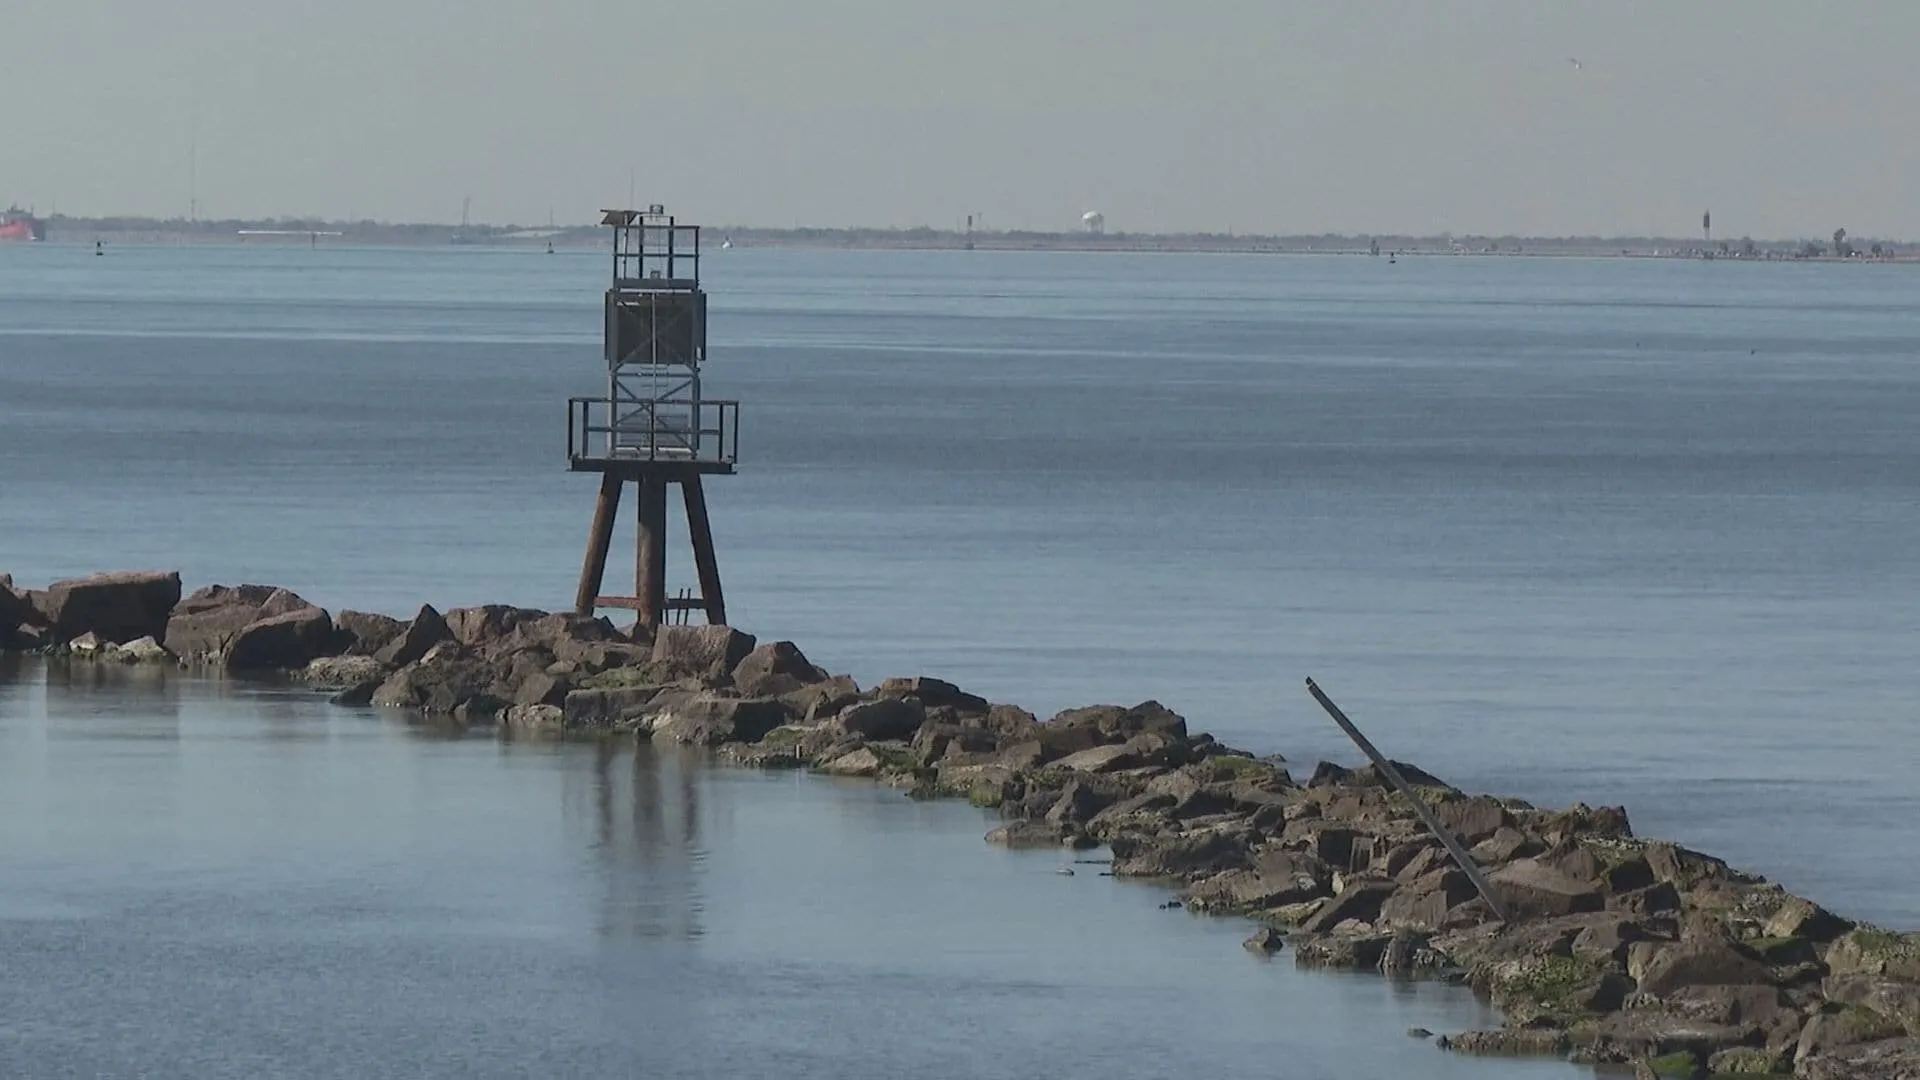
[
  {"x": 704, "y": 558},
  {"x": 650, "y": 554},
  {"x": 594, "y": 570}
]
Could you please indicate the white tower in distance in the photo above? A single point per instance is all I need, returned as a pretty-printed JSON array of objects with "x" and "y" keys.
[{"x": 1094, "y": 222}]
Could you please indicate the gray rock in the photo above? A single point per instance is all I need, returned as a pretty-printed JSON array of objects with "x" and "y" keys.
[
  {"x": 1078, "y": 803},
  {"x": 702, "y": 651},
  {"x": 534, "y": 718},
  {"x": 1512, "y": 1042},
  {"x": 775, "y": 668},
  {"x": 1185, "y": 856},
  {"x": 427, "y": 630},
  {"x": 541, "y": 688},
  {"x": 705, "y": 720},
  {"x": 933, "y": 694},
  {"x": 1266, "y": 941},
  {"x": 1894, "y": 999},
  {"x": 1100, "y": 759},
  {"x": 1112, "y": 723},
  {"x": 343, "y": 671},
  {"x": 362, "y": 633},
  {"x": 861, "y": 762},
  {"x": 1426, "y": 902},
  {"x": 1504, "y": 846},
  {"x": 476, "y": 628},
  {"x": 117, "y": 606},
  {"x": 1888, "y": 1059},
  {"x": 822, "y": 700},
  {"x": 1529, "y": 888},
  {"x": 143, "y": 650},
  {"x": 1473, "y": 820},
  {"x": 1346, "y": 952},
  {"x": 1359, "y": 901},
  {"x": 88, "y": 645},
  {"x": 287, "y": 641},
  {"x": 1701, "y": 961},
  {"x": 608, "y": 708},
  {"x": 359, "y": 694},
  {"x": 887, "y": 718},
  {"x": 1805, "y": 919},
  {"x": 1037, "y": 834},
  {"x": 204, "y": 624}
]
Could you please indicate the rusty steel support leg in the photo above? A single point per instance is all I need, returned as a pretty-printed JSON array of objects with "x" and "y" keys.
[
  {"x": 594, "y": 569},
  {"x": 650, "y": 552},
  {"x": 704, "y": 559}
]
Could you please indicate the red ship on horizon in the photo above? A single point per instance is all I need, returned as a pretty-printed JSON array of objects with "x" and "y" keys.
[{"x": 18, "y": 224}]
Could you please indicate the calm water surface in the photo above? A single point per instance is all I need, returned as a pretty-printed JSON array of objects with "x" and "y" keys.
[
  {"x": 1621, "y": 531},
  {"x": 206, "y": 880}
]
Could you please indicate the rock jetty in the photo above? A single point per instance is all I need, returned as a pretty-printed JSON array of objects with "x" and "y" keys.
[{"x": 1616, "y": 949}]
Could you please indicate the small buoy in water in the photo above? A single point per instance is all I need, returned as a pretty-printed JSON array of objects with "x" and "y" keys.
[
  {"x": 99, "y": 248},
  {"x": 1065, "y": 871}
]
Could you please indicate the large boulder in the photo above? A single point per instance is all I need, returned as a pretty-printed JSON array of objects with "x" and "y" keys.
[
  {"x": 1702, "y": 960},
  {"x": 707, "y": 720},
  {"x": 614, "y": 707},
  {"x": 1529, "y": 888},
  {"x": 446, "y": 681},
  {"x": 1426, "y": 902},
  {"x": 204, "y": 624},
  {"x": 284, "y": 641},
  {"x": 1277, "y": 878},
  {"x": 933, "y": 694},
  {"x": 119, "y": 606},
  {"x": 21, "y": 626},
  {"x": 364, "y": 633},
  {"x": 1358, "y": 901},
  {"x": 428, "y": 629},
  {"x": 1645, "y": 1034},
  {"x": 1805, "y": 919},
  {"x": 1100, "y": 759},
  {"x": 1837, "y": 1027},
  {"x": 478, "y": 628},
  {"x": 886, "y": 718},
  {"x": 1888, "y": 1059},
  {"x": 777, "y": 667},
  {"x": 1866, "y": 951},
  {"x": 1892, "y": 998},
  {"x": 1112, "y": 723},
  {"x": 1473, "y": 820},
  {"x": 250, "y": 627},
  {"x": 1184, "y": 856},
  {"x": 709, "y": 652}
]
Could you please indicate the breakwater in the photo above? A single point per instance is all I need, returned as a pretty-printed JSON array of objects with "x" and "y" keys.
[{"x": 1617, "y": 949}]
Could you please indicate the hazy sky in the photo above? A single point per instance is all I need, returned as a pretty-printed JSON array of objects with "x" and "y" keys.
[{"x": 1785, "y": 117}]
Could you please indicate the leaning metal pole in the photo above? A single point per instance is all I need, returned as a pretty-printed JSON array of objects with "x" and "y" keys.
[{"x": 1420, "y": 807}]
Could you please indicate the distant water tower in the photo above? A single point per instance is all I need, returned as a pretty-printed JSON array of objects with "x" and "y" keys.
[
  {"x": 653, "y": 427},
  {"x": 1094, "y": 222}
]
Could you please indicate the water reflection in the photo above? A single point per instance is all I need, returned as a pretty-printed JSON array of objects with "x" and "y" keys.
[
  {"x": 90, "y": 699},
  {"x": 641, "y": 812}
]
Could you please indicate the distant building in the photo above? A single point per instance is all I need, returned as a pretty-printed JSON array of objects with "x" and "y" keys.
[{"x": 1093, "y": 221}]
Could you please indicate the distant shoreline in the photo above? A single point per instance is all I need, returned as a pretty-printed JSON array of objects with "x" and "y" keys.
[{"x": 72, "y": 231}]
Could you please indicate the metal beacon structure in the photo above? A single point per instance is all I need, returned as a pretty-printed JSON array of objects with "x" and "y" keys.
[{"x": 653, "y": 428}]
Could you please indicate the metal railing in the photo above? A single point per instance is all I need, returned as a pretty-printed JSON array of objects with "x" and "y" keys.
[{"x": 679, "y": 430}]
